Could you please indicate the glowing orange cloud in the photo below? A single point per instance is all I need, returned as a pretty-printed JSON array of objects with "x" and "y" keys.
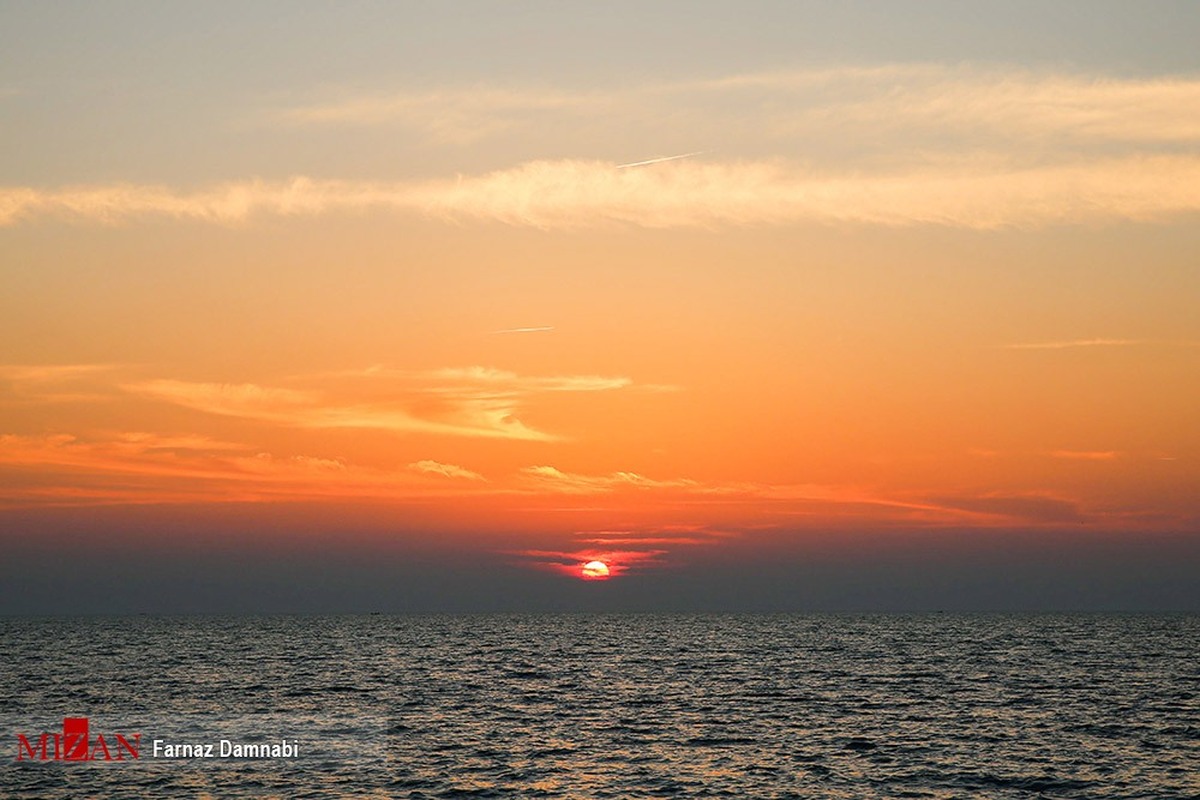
[
  {"x": 470, "y": 402},
  {"x": 289, "y": 441}
]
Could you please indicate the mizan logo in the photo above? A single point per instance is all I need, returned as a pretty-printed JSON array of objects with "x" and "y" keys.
[{"x": 76, "y": 744}]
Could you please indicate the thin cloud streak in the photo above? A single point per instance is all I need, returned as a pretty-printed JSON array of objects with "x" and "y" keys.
[
  {"x": 905, "y": 100},
  {"x": 660, "y": 160},
  {"x": 658, "y": 536},
  {"x": 627, "y": 550},
  {"x": 1067, "y": 344},
  {"x": 679, "y": 194},
  {"x": 458, "y": 116},
  {"x": 486, "y": 376},
  {"x": 552, "y": 479},
  {"x": 541, "y": 329},
  {"x": 830, "y": 503},
  {"x": 570, "y": 562}
]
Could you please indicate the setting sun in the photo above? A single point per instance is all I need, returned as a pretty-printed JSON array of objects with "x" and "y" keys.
[
  {"x": 595, "y": 570},
  {"x": 461, "y": 324},
  {"x": 585, "y": 399}
]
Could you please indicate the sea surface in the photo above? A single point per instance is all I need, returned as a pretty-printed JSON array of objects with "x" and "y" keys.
[{"x": 579, "y": 706}]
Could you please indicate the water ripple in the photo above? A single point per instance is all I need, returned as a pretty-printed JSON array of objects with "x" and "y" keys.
[{"x": 937, "y": 706}]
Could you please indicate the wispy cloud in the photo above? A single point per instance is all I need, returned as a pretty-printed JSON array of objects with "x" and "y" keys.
[
  {"x": 671, "y": 536},
  {"x": 430, "y": 467},
  {"x": 55, "y": 383},
  {"x": 581, "y": 194},
  {"x": 511, "y": 381},
  {"x": 782, "y": 505},
  {"x": 987, "y": 102},
  {"x": 459, "y": 116},
  {"x": 469, "y": 416},
  {"x": 548, "y": 478},
  {"x": 961, "y": 145},
  {"x": 479, "y": 402},
  {"x": 683, "y": 194},
  {"x": 235, "y": 400},
  {"x": 912, "y": 103},
  {"x": 469, "y": 401},
  {"x": 187, "y": 465},
  {"x": 133, "y": 467}
]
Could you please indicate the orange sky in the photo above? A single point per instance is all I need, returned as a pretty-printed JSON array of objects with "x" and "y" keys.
[{"x": 877, "y": 294}]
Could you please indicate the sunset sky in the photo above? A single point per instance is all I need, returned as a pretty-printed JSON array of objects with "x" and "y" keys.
[{"x": 422, "y": 306}]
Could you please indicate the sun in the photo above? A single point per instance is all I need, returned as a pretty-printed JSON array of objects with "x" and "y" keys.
[{"x": 594, "y": 570}]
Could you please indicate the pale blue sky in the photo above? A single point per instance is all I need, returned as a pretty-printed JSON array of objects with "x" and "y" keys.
[{"x": 281, "y": 46}]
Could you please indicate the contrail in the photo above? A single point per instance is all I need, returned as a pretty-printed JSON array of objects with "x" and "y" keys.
[
  {"x": 525, "y": 330},
  {"x": 660, "y": 160},
  {"x": 1062, "y": 345}
]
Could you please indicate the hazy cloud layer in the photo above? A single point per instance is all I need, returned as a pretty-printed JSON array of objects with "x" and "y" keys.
[
  {"x": 970, "y": 194},
  {"x": 166, "y": 466},
  {"x": 911, "y": 103},
  {"x": 896, "y": 144},
  {"x": 143, "y": 467}
]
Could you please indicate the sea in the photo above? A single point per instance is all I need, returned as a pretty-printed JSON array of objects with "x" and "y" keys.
[{"x": 601, "y": 706}]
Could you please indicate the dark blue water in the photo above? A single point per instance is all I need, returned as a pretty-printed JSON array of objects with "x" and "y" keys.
[{"x": 937, "y": 706}]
